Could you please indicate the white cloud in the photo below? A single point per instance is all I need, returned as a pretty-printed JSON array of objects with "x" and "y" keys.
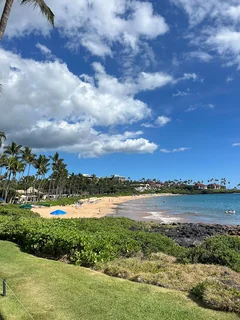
[
  {"x": 196, "y": 106},
  {"x": 181, "y": 93},
  {"x": 45, "y": 51},
  {"x": 215, "y": 27},
  {"x": 198, "y": 10},
  {"x": 236, "y": 144},
  {"x": 161, "y": 121},
  {"x": 81, "y": 138},
  {"x": 94, "y": 24},
  {"x": 182, "y": 149},
  {"x": 227, "y": 42},
  {"x": 234, "y": 12},
  {"x": 43, "y": 48},
  {"x": 188, "y": 76},
  {"x": 229, "y": 79},
  {"x": 53, "y": 108},
  {"x": 203, "y": 56}
]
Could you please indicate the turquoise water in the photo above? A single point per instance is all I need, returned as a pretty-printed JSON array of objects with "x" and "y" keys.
[{"x": 186, "y": 208}]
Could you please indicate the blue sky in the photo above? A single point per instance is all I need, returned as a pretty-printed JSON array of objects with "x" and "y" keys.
[{"x": 136, "y": 88}]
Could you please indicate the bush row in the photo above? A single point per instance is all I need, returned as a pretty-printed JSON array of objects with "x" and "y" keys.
[
  {"x": 13, "y": 210},
  {"x": 87, "y": 241},
  {"x": 84, "y": 242},
  {"x": 222, "y": 250}
]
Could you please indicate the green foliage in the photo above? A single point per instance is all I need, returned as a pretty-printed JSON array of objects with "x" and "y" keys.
[
  {"x": 222, "y": 250},
  {"x": 13, "y": 210},
  {"x": 84, "y": 241},
  {"x": 220, "y": 295},
  {"x": 60, "y": 202}
]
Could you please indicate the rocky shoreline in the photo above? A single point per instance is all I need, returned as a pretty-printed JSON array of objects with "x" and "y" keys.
[{"x": 192, "y": 234}]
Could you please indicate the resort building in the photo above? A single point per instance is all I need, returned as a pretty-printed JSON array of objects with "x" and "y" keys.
[
  {"x": 216, "y": 186},
  {"x": 200, "y": 186},
  {"x": 118, "y": 178}
]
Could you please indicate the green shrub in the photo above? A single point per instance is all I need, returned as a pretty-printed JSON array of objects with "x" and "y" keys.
[
  {"x": 84, "y": 241},
  {"x": 13, "y": 210},
  {"x": 222, "y": 250},
  {"x": 219, "y": 295}
]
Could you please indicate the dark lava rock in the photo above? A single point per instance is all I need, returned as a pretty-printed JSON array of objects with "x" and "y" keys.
[{"x": 192, "y": 234}]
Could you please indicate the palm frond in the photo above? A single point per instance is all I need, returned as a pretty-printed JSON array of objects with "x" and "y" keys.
[{"x": 41, "y": 4}]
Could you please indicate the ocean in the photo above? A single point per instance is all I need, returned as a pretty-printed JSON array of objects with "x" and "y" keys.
[{"x": 183, "y": 208}]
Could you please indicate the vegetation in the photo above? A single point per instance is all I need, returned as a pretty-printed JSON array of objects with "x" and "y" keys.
[
  {"x": 219, "y": 294},
  {"x": 222, "y": 250},
  {"x": 51, "y": 290},
  {"x": 45, "y": 10},
  {"x": 52, "y": 179},
  {"x": 14, "y": 211},
  {"x": 122, "y": 247},
  {"x": 84, "y": 241},
  {"x": 218, "y": 287}
]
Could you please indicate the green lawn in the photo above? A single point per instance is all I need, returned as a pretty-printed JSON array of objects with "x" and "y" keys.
[{"x": 54, "y": 290}]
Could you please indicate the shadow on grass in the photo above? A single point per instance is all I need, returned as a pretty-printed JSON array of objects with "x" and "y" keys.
[{"x": 201, "y": 304}]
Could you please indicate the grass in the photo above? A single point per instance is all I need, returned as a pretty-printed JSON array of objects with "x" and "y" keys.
[
  {"x": 54, "y": 290},
  {"x": 162, "y": 270}
]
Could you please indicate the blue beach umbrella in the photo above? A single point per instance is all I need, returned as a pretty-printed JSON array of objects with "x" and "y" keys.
[{"x": 58, "y": 212}]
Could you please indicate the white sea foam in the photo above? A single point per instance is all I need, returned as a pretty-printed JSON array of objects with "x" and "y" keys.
[{"x": 161, "y": 217}]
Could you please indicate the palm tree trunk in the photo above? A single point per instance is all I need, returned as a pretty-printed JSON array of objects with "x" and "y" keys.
[
  {"x": 5, "y": 16},
  {"x": 7, "y": 186}
]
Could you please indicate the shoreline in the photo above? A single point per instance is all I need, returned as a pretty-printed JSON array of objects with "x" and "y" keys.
[{"x": 101, "y": 208}]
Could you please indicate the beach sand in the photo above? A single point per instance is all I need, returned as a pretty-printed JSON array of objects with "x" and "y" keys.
[{"x": 104, "y": 206}]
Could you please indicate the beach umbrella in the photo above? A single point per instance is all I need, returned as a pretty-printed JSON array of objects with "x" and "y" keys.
[{"x": 58, "y": 212}]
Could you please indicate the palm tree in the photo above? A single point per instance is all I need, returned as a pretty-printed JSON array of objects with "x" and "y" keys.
[
  {"x": 41, "y": 164},
  {"x": 28, "y": 157},
  {"x": 2, "y": 137},
  {"x": 45, "y": 10},
  {"x": 3, "y": 162},
  {"x": 11, "y": 167},
  {"x": 13, "y": 150}
]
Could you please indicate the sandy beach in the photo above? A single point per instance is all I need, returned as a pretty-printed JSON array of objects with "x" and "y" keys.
[{"x": 101, "y": 208}]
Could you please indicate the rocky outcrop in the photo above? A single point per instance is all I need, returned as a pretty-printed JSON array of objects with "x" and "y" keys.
[{"x": 192, "y": 234}]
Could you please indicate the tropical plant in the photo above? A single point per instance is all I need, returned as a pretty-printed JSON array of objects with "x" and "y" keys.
[
  {"x": 2, "y": 136},
  {"x": 41, "y": 4},
  {"x": 13, "y": 150}
]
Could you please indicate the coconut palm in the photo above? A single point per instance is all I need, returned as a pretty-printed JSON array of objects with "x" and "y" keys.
[
  {"x": 42, "y": 166},
  {"x": 13, "y": 150},
  {"x": 28, "y": 158},
  {"x": 3, "y": 162},
  {"x": 2, "y": 137},
  {"x": 11, "y": 167},
  {"x": 41, "y": 4}
]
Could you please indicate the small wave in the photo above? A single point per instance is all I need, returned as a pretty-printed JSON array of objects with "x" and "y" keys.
[{"x": 161, "y": 217}]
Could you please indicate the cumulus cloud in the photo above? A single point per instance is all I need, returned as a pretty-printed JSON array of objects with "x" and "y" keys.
[
  {"x": 81, "y": 138},
  {"x": 93, "y": 24},
  {"x": 182, "y": 149},
  {"x": 52, "y": 108}
]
